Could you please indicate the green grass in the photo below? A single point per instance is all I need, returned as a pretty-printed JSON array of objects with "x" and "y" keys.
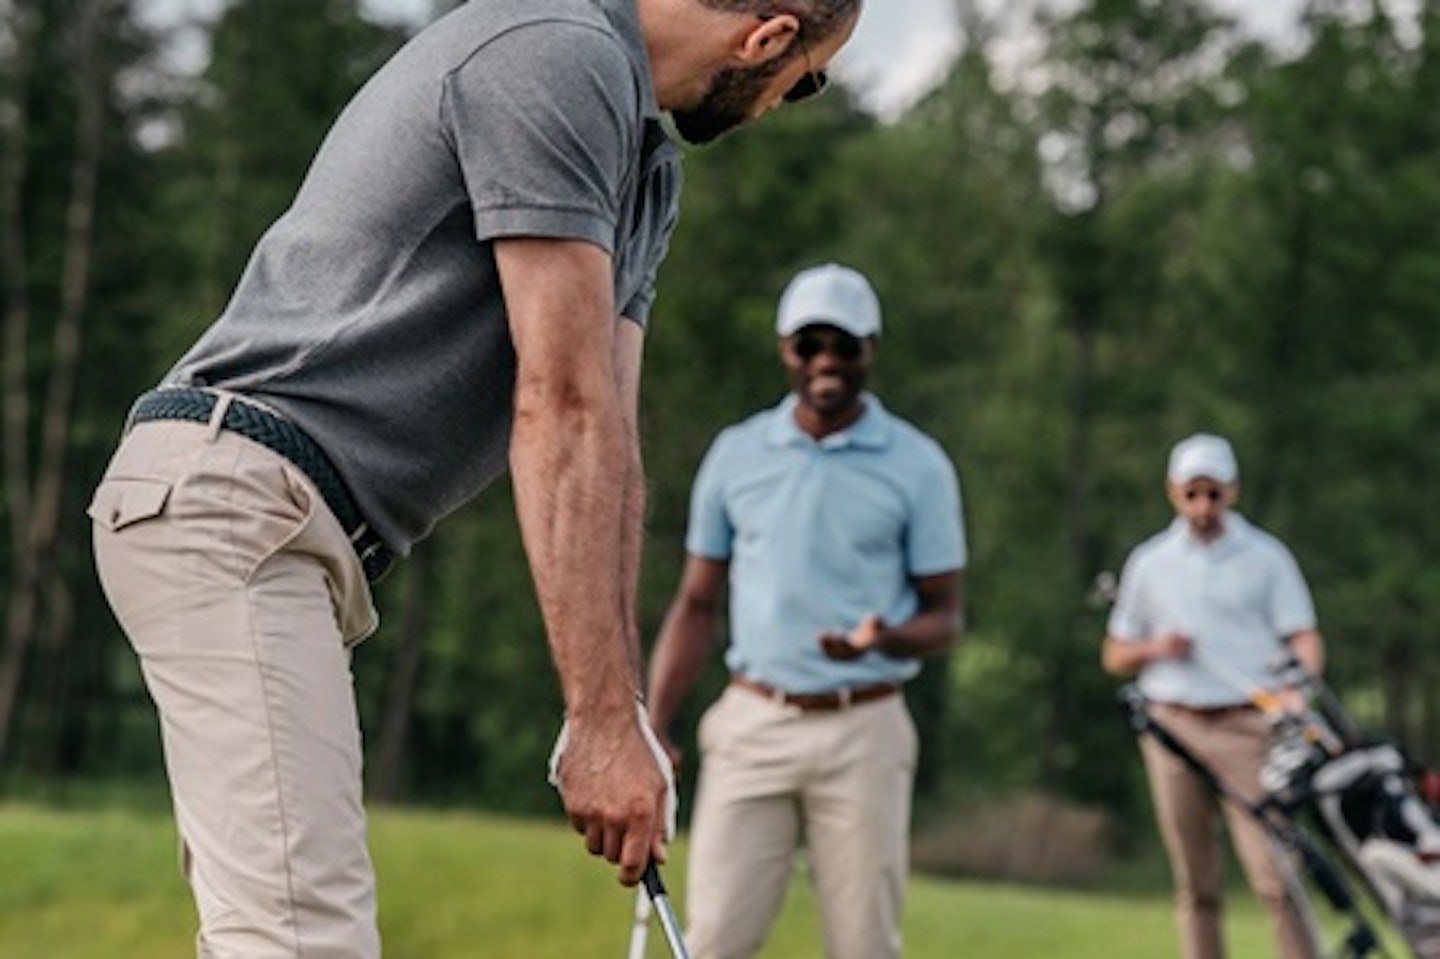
[{"x": 105, "y": 885}]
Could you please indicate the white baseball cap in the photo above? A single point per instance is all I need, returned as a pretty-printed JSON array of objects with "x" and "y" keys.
[
  {"x": 1203, "y": 454},
  {"x": 831, "y": 294}
]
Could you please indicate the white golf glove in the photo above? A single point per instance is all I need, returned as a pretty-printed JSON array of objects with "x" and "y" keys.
[{"x": 672, "y": 797}]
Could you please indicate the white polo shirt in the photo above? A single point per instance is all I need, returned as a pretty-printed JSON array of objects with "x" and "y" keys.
[{"x": 1236, "y": 598}]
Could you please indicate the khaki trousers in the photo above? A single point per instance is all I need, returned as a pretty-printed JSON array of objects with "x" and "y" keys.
[
  {"x": 773, "y": 776},
  {"x": 241, "y": 595},
  {"x": 1233, "y": 745}
]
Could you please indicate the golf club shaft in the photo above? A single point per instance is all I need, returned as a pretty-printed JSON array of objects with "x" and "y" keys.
[
  {"x": 640, "y": 927},
  {"x": 655, "y": 887}
]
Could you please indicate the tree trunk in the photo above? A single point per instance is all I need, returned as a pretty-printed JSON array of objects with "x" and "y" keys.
[
  {"x": 1082, "y": 254},
  {"x": 1397, "y": 666},
  {"x": 400, "y": 697},
  {"x": 15, "y": 369},
  {"x": 227, "y": 189},
  {"x": 14, "y": 270},
  {"x": 34, "y": 570}
]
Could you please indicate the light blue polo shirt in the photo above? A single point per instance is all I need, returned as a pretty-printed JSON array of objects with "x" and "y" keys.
[
  {"x": 819, "y": 534},
  {"x": 1236, "y": 597}
]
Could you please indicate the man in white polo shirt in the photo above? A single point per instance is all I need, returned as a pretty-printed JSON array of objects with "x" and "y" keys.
[
  {"x": 838, "y": 526},
  {"x": 1204, "y": 610}
]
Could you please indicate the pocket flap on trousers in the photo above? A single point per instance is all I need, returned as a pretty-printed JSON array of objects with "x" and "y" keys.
[{"x": 120, "y": 502}]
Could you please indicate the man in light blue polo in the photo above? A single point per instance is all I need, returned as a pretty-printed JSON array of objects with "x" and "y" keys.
[
  {"x": 839, "y": 528},
  {"x": 1205, "y": 607}
]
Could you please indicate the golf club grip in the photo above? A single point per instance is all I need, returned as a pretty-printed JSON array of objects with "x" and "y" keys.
[{"x": 654, "y": 885}]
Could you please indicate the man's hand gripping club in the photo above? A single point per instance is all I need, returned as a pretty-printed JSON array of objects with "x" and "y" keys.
[{"x": 618, "y": 788}]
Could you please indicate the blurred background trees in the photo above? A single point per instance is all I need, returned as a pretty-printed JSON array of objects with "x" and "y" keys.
[{"x": 1158, "y": 226}]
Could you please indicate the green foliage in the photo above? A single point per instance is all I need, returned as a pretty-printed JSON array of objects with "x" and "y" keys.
[
  {"x": 62, "y": 719},
  {"x": 487, "y": 708},
  {"x": 1341, "y": 387},
  {"x": 1178, "y": 232}
]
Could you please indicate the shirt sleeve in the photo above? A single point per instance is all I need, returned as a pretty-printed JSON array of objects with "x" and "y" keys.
[
  {"x": 544, "y": 122},
  {"x": 1127, "y": 622},
  {"x": 936, "y": 538},
  {"x": 710, "y": 532},
  {"x": 1291, "y": 607},
  {"x": 661, "y": 182}
]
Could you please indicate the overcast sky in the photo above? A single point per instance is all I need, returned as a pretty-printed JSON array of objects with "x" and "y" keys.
[{"x": 900, "y": 48}]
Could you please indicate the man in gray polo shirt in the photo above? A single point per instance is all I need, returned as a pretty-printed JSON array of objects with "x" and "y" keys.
[
  {"x": 1205, "y": 607},
  {"x": 461, "y": 283}
]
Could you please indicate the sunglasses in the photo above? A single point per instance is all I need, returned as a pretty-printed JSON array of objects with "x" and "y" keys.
[
  {"x": 811, "y": 343},
  {"x": 1213, "y": 495},
  {"x": 813, "y": 81}
]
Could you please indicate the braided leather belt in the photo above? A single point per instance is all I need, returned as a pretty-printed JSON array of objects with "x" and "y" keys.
[
  {"x": 818, "y": 702},
  {"x": 280, "y": 436}
]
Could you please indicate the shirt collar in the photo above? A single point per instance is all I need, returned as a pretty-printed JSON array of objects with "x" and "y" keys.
[
  {"x": 626, "y": 21},
  {"x": 1237, "y": 531},
  {"x": 871, "y": 431}
]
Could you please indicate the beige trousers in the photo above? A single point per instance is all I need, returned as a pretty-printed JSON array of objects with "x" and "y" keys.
[
  {"x": 774, "y": 776},
  {"x": 241, "y": 595},
  {"x": 1233, "y": 745}
]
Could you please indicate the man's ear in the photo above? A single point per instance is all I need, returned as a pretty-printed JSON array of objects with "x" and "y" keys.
[{"x": 768, "y": 39}]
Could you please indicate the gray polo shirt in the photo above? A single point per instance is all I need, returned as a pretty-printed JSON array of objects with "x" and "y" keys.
[
  {"x": 1236, "y": 597},
  {"x": 371, "y": 314}
]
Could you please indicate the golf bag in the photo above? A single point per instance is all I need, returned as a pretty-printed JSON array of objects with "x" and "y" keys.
[
  {"x": 1342, "y": 812},
  {"x": 1373, "y": 806}
]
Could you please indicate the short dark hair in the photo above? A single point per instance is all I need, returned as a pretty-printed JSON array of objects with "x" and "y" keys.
[{"x": 820, "y": 17}]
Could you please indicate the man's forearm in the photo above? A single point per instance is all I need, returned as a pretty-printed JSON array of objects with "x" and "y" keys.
[
  {"x": 1120, "y": 658},
  {"x": 571, "y": 466},
  {"x": 629, "y": 343},
  {"x": 573, "y": 457},
  {"x": 923, "y": 635},
  {"x": 1309, "y": 648},
  {"x": 631, "y": 553},
  {"x": 938, "y": 620},
  {"x": 677, "y": 662}
]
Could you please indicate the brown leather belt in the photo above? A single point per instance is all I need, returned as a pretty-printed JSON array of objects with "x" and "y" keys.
[
  {"x": 1212, "y": 712},
  {"x": 819, "y": 702}
]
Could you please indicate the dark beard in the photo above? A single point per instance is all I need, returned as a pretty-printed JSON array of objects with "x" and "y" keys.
[{"x": 726, "y": 106}]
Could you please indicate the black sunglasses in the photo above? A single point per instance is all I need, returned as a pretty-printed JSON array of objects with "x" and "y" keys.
[
  {"x": 1211, "y": 494},
  {"x": 839, "y": 344},
  {"x": 813, "y": 81}
]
